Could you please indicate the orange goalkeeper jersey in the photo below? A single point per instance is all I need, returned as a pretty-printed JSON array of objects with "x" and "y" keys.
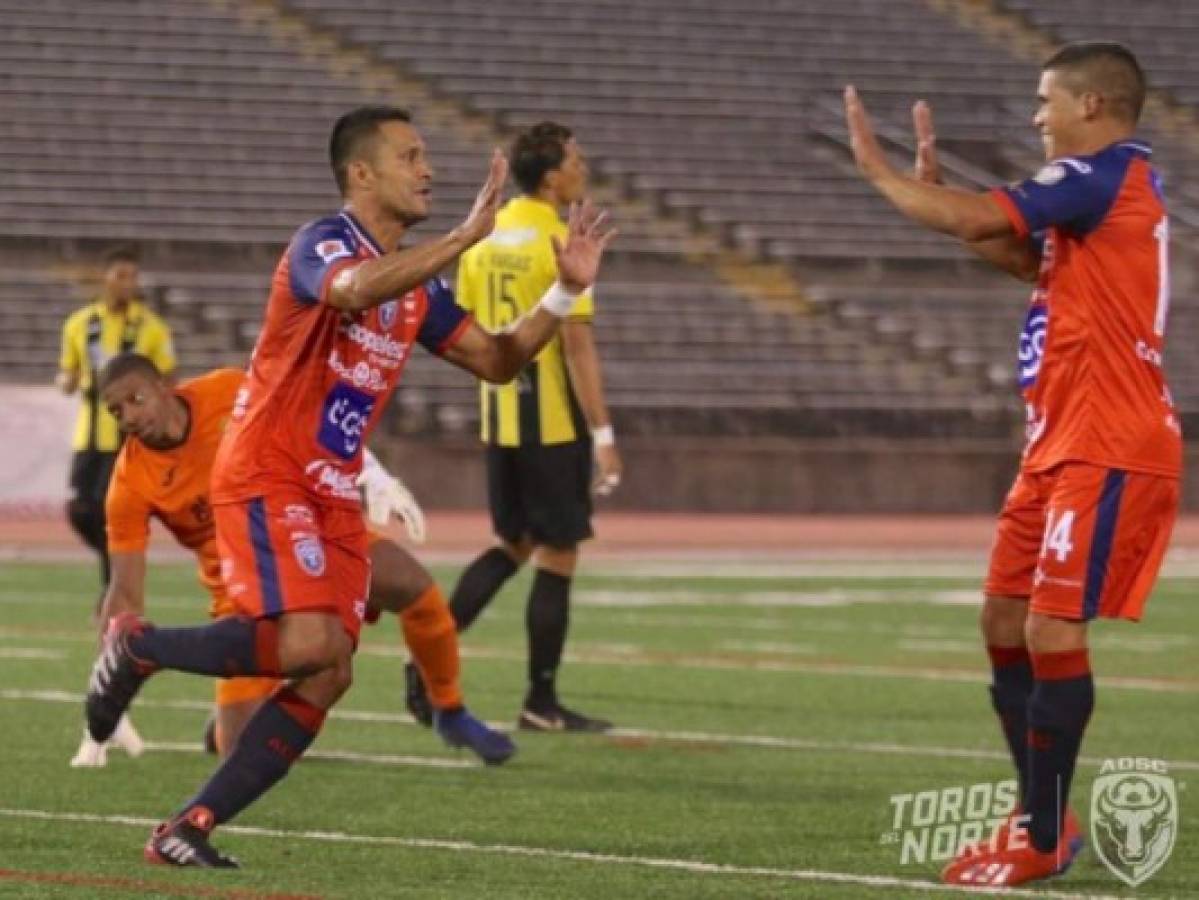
[{"x": 173, "y": 485}]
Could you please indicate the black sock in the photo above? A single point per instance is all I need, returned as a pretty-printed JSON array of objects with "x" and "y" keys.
[
  {"x": 232, "y": 647},
  {"x": 546, "y": 619},
  {"x": 1061, "y": 703},
  {"x": 1011, "y": 673},
  {"x": 479, "y": 584},
  {"x": 276, "y": 736}
]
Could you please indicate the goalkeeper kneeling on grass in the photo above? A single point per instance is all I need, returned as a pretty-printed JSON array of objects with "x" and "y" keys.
[{"x": 163, "y": 472}]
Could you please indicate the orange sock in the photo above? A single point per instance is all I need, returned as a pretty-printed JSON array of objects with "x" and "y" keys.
[{"x": 432, "y": 637}]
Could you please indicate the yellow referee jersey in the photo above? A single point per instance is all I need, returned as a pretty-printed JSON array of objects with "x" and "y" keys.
[
  {"x": 90, "y": 338},
  {"x": 499, "y": 280}
]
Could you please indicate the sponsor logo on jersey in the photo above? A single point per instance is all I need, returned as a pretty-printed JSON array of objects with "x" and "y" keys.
[
  {"x": 371, "y": 341},
  {"x": 387, "y": 313},
  {"x": 362, "y": 374},
  {"x": 1050, "y": 175},
  {"x": 330, "y": 250},
  {"x": 344, "y": 419},
  {"x": 329, "y": 479},
  {"x": 1032, "y": 345}
]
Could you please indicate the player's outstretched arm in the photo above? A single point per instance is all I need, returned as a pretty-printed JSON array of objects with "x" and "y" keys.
[
  {"x": 1009, "y": 253},
  {"x": 393, "y": 274},
  {"x": 498, "y": 358},
  {"x": 963, "y": 214},
  {"x": 126, "y": 587}
]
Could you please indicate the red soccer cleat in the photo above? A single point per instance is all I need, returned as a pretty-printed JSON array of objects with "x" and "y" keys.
[
  {"x": 1012, "y": 865},
  {"x": 1017, "y": 824}
]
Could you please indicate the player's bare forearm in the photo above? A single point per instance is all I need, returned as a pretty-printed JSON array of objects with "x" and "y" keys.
[
  {"x": 394, "y": 274},
  {"x": 1009, "y": 254},
  {"x": 499, "y": 357},
  {"x": 586, "y": 376},
  {"x": 126, "y": 588},
  {"x": 963, "y": 214}
]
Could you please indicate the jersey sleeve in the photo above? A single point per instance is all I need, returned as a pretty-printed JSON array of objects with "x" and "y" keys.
[
  {"x": 69, "y": 357},
  {"x": 156, "y": 344},
  {"x": 1067, "y": 193},
  {"x": 445, "y": 320},
  {"x": 319, "y": 251},
  {"x": 127, "y": 514}
]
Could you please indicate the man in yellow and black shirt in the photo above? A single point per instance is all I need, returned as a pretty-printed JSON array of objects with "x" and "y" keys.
[
  {"x": 115, "y": 322},
  {"x": 546, "y": 430}
]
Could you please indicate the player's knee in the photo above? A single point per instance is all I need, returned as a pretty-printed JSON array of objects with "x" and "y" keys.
[
  {"x": 559, "y": 560},
  {"x": 519, "y": 551},
  {"x": 312, "y": 643},
  {"x": 1002, "y": 620},
  {"x": 1049, "y": 634}
]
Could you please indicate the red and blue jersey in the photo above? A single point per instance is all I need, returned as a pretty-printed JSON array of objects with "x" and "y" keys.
[
  {"x": 1090, "y": 357},
  {"x": 319, "y": 377}
]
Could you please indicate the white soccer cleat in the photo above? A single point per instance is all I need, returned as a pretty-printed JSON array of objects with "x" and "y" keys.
[
  {"x": 127, "y": 738},
  {"x": 90, "y": 754}
]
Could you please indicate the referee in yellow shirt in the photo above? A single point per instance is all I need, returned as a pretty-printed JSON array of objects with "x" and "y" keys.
[
  {"x": 547, "y": 431},
  {"x": 115, "y": 322}
]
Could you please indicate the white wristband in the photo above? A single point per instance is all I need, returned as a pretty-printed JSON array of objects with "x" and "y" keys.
[
  {"x": 558, "y": 301},
  {"x": 603, "y": 436}
]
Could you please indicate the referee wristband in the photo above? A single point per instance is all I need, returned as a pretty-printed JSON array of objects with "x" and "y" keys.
[
  {"x": 558, "y": 301},
  {"x": 603, "y": 436}
]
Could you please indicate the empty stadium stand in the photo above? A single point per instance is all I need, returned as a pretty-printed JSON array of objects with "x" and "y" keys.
[{"x": 198, "y": 128}]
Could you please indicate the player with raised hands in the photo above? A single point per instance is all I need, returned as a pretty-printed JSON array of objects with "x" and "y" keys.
[{"x": 1085, "y": 527}]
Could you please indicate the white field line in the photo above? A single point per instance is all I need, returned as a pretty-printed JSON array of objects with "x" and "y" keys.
[
  {"x": 611, "y": 859},
  {"x": 625, "y": 655},
  {"x": 670, "y": 659},
  {"x": 680, "y": 737},
  {"x": 31, "y": 653},
  {"x": 376, "y": 759}
]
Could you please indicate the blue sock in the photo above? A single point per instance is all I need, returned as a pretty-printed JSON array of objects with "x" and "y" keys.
[
  {"x": 276, "y": 736},
  {"x": 1011, "y": 686},
  {"x": 1058, "y": 712},
  {"x": 233, "y": 647}
]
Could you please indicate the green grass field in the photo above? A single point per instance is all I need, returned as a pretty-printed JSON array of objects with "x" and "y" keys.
[{"x": 769, "y": 722}]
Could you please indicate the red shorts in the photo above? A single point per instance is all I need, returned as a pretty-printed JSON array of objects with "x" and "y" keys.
[
  {"x": 1082, "y": 541},
  {"x": 283, "y": 553}
]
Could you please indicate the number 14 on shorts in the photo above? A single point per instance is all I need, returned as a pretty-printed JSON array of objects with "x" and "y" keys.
[{"x": 1058, "y": 527}]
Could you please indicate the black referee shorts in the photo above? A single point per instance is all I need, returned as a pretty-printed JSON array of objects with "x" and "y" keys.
[{"x": 541, "y": 492}]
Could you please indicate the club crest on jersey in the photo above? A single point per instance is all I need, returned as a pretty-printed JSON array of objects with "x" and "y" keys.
[
  {"x": 309, "y": 553},
  {"x": 387, "y": 313},
  {"x": 331, "y": 250},
  {"x": 1032, "y": 345}
]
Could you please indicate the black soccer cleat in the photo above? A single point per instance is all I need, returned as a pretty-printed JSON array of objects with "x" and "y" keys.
[
  {"x": 416, "y": 697},
  {"x": 116, "y": 678},
  {"x": 556, "y": 717},
  {"x": 183, "y": 841}
]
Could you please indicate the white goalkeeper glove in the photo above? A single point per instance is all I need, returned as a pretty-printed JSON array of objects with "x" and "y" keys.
[
  {"x": 386, "y": 495},
  {"x": 92, "y": 755}
]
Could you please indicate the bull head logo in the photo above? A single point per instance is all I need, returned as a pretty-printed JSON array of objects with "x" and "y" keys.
[{"x": 1134, "y": 821}]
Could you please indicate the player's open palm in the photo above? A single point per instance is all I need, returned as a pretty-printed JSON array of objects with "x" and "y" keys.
[
  {"x": 587, "y": 236},
  {"x": 480, "y": 222}
]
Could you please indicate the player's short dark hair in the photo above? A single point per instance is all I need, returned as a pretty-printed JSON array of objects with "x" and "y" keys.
[
  {"x": 126, "y": 364},
  {"x": 123, "y": 254},
  {"x": 352, "y": 134},
  {"x": 535, "y": 151},
  {"x": 1107, "y": 68}
]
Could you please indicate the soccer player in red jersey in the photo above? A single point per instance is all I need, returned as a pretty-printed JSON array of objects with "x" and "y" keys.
[
  {"x": 345, "y": 308},
  {"x": 1085, "y": 527}
]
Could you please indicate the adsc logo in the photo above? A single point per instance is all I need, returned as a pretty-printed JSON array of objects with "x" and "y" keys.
[{"x": 1134, "y": 817}]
